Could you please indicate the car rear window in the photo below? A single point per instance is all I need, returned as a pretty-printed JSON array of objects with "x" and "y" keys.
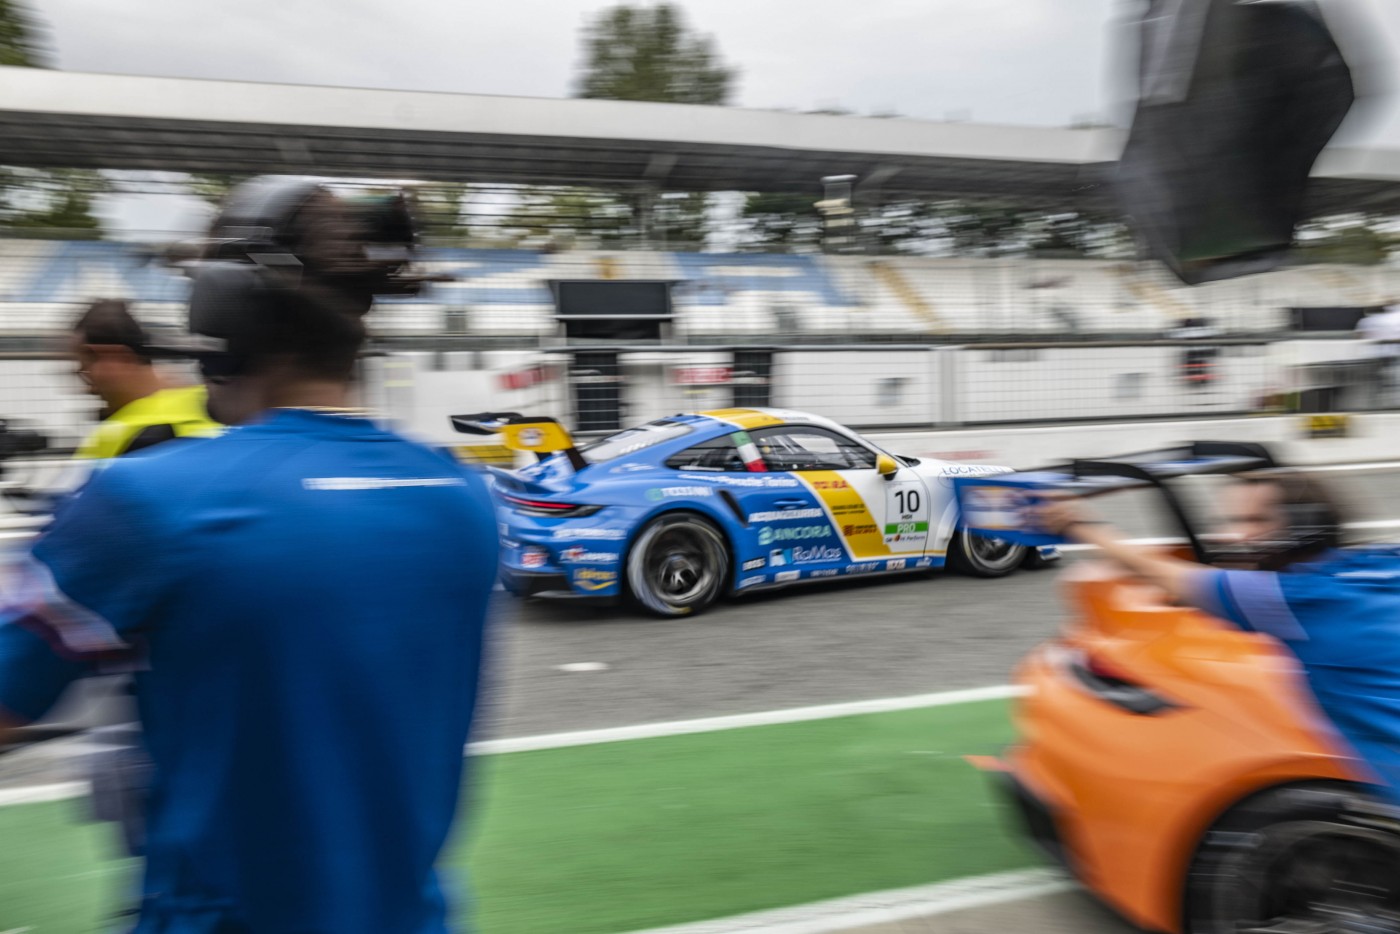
[{"x": 636, "y": 439}]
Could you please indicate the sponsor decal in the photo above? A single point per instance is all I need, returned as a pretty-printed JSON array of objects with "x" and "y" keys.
[
  {"x": 754, "y": 564},
  {"x": 780, "y": 557},
  {"x": 532, "y": 558},
  {"x": 823, "y": 572},
  {"x": 816, "y": 553},
  {"x": 768, "y": 481},
  {"x": 657, "y": 494},
  {"x": 896, "y": 564},
  {"x": 767, "y": 535},
  {"x": 594, "y": 579},
  {"x": 531, "y": 437},
  {"x": 787, "y": 514},
  {"x": 632, "y": 468},
  {"x": 995, "y": 508},
  {"x": 837, "y": 484},
  {"x": 502, "y": 529},
  {"x": 577, "y": 555},
  {"x": 751, "y": 581},
  {"x": 924, "y": 563},
  {"x": 589, "y": 535},
  {"x": 849, "y": 530},
  {"x": 864, "y": 568},
  {"x": 784, "y": 577},
  {"x": 950, "y": 471},
  {"x": 905, "y": 528}
]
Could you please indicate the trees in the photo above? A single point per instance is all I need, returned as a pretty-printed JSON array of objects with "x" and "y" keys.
[
  {"x": 650, "y": 54},
  {"x": 57, "y": 202},
  {"x": 20, "y": 44},
  {"x": 631, "y": 53}
]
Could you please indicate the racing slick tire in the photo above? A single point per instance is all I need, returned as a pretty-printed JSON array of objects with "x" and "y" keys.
[
  {"x": 979, "y": 556},
  {"x": 678, "y": 565},
  {"x": 1307, "y": 857}
]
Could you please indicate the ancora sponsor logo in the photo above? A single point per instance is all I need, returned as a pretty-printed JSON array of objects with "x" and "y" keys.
[
  {"x": 768, "y": 535},
  {"x": 788, "y": 514}
]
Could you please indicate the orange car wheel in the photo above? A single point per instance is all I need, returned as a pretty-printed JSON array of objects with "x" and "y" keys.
[{"x": 1317, "y": 857}]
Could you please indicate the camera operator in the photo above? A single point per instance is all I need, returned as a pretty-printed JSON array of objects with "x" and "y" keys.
[
  {"x": 1284, "y": 573},
  {"x": 138, "y": 409},
  {"x": 303, "y": 600}
]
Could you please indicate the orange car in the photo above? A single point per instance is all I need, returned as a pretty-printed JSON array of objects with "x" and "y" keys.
[{"x": 1177, "y": 765}]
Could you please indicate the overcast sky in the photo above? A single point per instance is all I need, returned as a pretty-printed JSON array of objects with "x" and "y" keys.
[{"x": 1043, "y": 62}]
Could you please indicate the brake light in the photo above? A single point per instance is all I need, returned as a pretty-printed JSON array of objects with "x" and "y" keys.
[{"x": 547, "y": 507}]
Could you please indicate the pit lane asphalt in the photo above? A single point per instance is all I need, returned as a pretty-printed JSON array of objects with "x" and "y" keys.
[{"x": 813, "y": 644}]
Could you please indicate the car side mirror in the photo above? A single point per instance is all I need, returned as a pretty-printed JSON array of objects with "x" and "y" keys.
[{"x": 887, "y": 466}]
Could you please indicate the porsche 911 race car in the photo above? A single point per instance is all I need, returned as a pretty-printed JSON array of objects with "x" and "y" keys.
[{"x": 680, "y": 511}]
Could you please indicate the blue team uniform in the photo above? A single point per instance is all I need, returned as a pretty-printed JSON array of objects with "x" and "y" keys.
[
  {"x": 303, "y": 601},
  {"x": 1340, "y": 616}
]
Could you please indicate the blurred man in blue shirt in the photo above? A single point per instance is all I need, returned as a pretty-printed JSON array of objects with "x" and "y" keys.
[
  {"x": 303, "y": 602},
  {"x": 1337, "y": 610}
]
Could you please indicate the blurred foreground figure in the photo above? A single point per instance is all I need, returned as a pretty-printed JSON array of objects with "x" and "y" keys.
[
  {"x": 303, "y": 600},
  {"x": 138, "y": 409},
  {"x": 1236, "y": 101},
  {"x": 1337, "y": 610}
]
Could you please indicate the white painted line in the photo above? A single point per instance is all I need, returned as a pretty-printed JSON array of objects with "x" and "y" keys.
[
  {"x": 37, "y": 794},
  {"x": 740, "y": 721},
  {"x": 888, "y": 907},
  {"x": 583, "y": 666}
]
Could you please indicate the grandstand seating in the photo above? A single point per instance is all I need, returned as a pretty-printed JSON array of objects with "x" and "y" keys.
[{"x": 506, "y": 292}]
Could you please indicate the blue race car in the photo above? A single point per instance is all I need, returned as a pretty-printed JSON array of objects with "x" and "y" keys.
[{"x": 680, "y": 511}]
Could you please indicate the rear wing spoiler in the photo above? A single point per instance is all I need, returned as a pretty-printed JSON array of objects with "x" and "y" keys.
[
  {"x": 996, "y": 506},
  {"x": 539, "y": 435}
]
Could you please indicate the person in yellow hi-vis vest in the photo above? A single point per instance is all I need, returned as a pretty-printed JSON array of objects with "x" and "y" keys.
[{"x": 139, "y": 409}]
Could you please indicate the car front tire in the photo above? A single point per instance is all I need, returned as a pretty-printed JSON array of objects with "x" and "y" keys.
[{"x": 980, "y": 556}]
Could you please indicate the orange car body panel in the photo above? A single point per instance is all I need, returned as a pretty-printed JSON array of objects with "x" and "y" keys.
[{"x": 1132, "y": 794}]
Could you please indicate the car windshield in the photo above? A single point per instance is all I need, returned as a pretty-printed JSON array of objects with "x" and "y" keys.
[{"x": 635, "y": 439}]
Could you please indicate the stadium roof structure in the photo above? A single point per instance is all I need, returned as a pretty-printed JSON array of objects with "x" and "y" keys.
[{"x": 56, "y": 118}]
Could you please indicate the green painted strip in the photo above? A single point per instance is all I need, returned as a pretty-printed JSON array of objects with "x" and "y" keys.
[
  {"x": 905, "y": 528},
  {"x": 626, "y": 836}
]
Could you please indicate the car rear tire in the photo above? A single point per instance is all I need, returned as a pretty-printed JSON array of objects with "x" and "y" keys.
[
  {"x": 979, "y": 556},
  {"x": 1309, "y": 857},
  {"x": 678, "y": 565}
]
